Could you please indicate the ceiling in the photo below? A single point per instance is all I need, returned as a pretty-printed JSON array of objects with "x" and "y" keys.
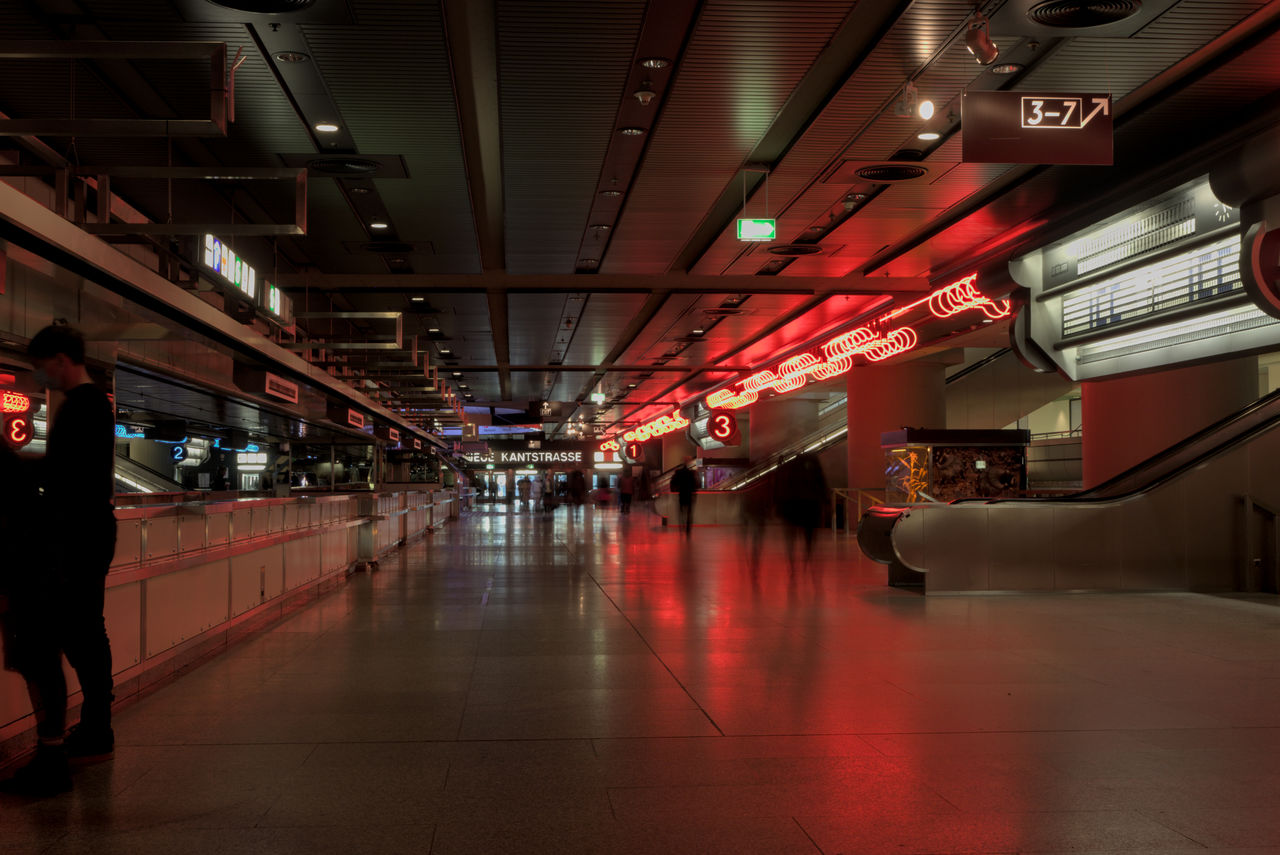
[{"x": 556, "y": 256}]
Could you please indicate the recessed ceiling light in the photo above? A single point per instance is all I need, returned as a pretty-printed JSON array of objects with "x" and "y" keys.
[
  {"x": 1007, "y": 68},
  {"x": 420, "y": 300},
  {"x": 457, "y": 374},
  {"x": 655, "y": 62},
  {"x": 379, "y": 224},
  {"x": 604, "y": 227},
  {"x": 610, "y": 192},
  {"x": 360, "y": 191},
  {"x": 928, "y": 136},
  {"x": 327, "y": 128},
  {"x": 629, "y": 132},
  {"x": 291, "y": 56},
  {"x": 445, "y": 350},
  {"x": 632, "y": 385},
  {"x": 699, "y": 332}
]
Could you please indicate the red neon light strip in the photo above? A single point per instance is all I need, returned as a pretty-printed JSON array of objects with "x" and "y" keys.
[
  {"x": 838, "y": 353},
  {"x": 14, "y": 402}
]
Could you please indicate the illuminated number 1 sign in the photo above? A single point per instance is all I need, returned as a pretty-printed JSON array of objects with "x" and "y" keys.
[
  {"x": 17, "y": 430},
  {"x": 723, "y": 428}
]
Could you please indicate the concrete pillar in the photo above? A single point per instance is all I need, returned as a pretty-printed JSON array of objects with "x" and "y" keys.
[
  {"x": 675, "y": 448},
  {"x": 889, "y": 397},
  {"x": 1128, "y": 419},
  {"x": 778, "y": 422}
]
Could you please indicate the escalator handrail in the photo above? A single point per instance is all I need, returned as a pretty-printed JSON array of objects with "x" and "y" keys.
[
  {"x": 1111, "y": 489},
  {"x": 164, "y": 479}
]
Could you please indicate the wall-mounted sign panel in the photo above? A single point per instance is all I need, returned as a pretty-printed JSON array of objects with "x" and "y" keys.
[
  {"x": 18, "y": 430},
  {"x": 1021, "y": 127},
  {"x": 1155, "y": 286},
  {"x": 219, "y": 258}
]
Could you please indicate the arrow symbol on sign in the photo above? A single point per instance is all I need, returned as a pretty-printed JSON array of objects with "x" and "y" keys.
[{"x": 1100, "y": 105}]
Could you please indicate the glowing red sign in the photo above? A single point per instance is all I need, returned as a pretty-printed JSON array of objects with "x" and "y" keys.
[
  {"x": 17, "y": 431},
  {"x": 660, "y": 426},
  {"x": 879, "y": 339},
  {"x": 723, "y": 428},
  {"x": 14, "y": 402}
]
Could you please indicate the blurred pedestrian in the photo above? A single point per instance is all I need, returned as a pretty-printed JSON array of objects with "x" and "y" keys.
[
  {"x": 800, "y": 492},
  {"x": 626, "y": 488},
  {"x": 684, "y": 483},
  {"x": 757, "y": 504},
  {"x": 522, "y": 493},
  {"x": 535, "y": 493},
  {"x": 577, "y": 488},
  {"x": 60, "y": 610}
]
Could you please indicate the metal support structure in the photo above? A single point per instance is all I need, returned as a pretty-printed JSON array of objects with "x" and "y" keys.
[{"x": 220, "y": 89}]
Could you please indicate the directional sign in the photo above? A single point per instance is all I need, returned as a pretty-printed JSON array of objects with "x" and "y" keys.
[
  {"x": 1019, "y": 127},
  {"x": 723, "y": 428},
  {"x": 18, "y": 431},
  {"x": 178, "y": 453},
  {"x": 757, "y": 229}
]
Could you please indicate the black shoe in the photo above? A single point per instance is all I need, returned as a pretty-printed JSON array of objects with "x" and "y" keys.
[
  {"x": 90, "y": 744},
  {"x": 46, "y": 775}
]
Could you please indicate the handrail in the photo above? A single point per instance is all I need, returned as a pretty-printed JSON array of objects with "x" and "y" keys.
[
  {"x": 859, "y": 495},
  {"x": 979, "y": 365}
]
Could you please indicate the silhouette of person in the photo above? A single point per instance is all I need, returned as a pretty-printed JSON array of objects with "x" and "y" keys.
[
  {"x": 60, "y": 609},
  {"x": 800, "y": 492},
  {"x": 684, "y": 483}
]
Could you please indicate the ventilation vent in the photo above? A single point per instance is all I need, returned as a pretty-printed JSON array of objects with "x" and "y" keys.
[
  {"x": 1079, "y": 14},
  {"x": 887, "y": 173},
  {"x": 794, "y": 249},
  {"x": 266, "y": 7},
  {"x": 343, "y": 165}
]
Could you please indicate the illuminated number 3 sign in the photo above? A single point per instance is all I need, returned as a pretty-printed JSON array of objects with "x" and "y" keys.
[
  {"x": 723, "y": 428},
  {"x": 17, "y": 430}
]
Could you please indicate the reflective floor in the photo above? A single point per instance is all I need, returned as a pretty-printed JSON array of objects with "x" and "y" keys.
[{"x": 522, "y": 684}]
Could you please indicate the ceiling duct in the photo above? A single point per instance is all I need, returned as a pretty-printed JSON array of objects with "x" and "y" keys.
[
  {"x": 266, "y": 7},
  {"x": 1080, "y": 14},
  {"x": 886, "y": 173}
]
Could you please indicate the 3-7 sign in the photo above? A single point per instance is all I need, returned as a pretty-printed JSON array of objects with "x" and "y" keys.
[
  {"x": 1047, "y": 127},
  {"x": 1073, "y": 113}
]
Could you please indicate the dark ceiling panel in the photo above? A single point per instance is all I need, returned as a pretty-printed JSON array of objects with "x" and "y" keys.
[
  {"x": 390, "y": 79},
  {"x": 562, "y": 69},
  {"x": 744, "y": 59}
]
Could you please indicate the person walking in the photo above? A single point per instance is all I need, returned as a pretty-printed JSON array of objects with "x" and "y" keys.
[
  {"x": 684, "y": 483},
  {"x": 800, "y": 493},
  {"x": 59, "y": 605},
  {"x": 522, "y": 493},
  {"x": 626, "y": 488},
  {"x": 535, "y": 492}
]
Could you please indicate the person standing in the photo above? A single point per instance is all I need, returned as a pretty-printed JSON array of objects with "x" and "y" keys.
[
  {"x": 60, "y": 608},
  {"x": 626, "y": 488},
  {"x": 684, "y": 483}
]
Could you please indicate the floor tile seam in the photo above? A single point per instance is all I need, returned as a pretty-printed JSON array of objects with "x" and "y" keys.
[
  {"x": 807, "y": 835},
  {"x": 655, "y": 654}
]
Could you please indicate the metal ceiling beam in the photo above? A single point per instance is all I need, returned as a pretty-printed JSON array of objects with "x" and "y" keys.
[
  {"x": 221, "y": 105},
  {"x": 676, "y": 283},
  {"x": 471, "y": 33},
  {"x": 501, "y": 341}
]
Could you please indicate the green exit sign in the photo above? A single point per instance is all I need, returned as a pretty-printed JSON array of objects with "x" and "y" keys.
[{"x": 757, "y": 230}]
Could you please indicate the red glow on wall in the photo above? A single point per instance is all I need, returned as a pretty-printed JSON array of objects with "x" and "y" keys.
[{"x": 14, "y": 402}]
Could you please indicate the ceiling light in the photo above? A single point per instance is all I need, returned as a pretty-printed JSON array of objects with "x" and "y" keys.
[
  {"x": 631, "y": 132},
  {"x": 978, "y": 40},
  {"x": 360, "y": 191},
  {"x": 655, "y": 62},
  {"x": 432, "y": 330},
  {"x": 445, "y": 350},
  {"x": 610, "y": 192},
  {"x": 1007, "y": 68},
  {"x": 632, "y": 385},
  {"x": 291, "y": 56},
  {"x": 928, "y": 136},
  {"x": 604, "y": 227},
  {"x": 419, "y": 300},
  {"x": 457, "y": 374},
  {"x": 699, "y": 332},
  {"x": 379, "y": 224},
  {"x": 925, "y": 109},
  {"x": 327, "y": 127}
]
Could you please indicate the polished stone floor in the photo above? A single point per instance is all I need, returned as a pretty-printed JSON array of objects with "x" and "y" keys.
[{"x": 526, "y": 684}]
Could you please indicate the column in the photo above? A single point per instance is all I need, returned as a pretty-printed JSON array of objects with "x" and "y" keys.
[
  {"x": 675, "y": 448},
  {"x": 886, "y": 398},
  {"x": 778, "y": 422},
  {"x": 1128, "y": 419}
]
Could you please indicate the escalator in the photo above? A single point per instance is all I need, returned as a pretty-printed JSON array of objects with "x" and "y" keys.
[
  {"x": 132, "y": 477},
  {"x": 1198, "y": 516}
]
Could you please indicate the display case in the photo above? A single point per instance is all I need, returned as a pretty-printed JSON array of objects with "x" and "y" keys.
[{"x": 944, "y": 465}]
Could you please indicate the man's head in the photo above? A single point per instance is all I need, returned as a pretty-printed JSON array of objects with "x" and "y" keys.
[{"x": 58, "y": 354}]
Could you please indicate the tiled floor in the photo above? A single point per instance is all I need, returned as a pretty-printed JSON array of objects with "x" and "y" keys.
[{"x": 525, "y": 684}]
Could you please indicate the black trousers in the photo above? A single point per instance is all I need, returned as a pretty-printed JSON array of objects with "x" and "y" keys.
[{"x": 62, "y": 613}]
